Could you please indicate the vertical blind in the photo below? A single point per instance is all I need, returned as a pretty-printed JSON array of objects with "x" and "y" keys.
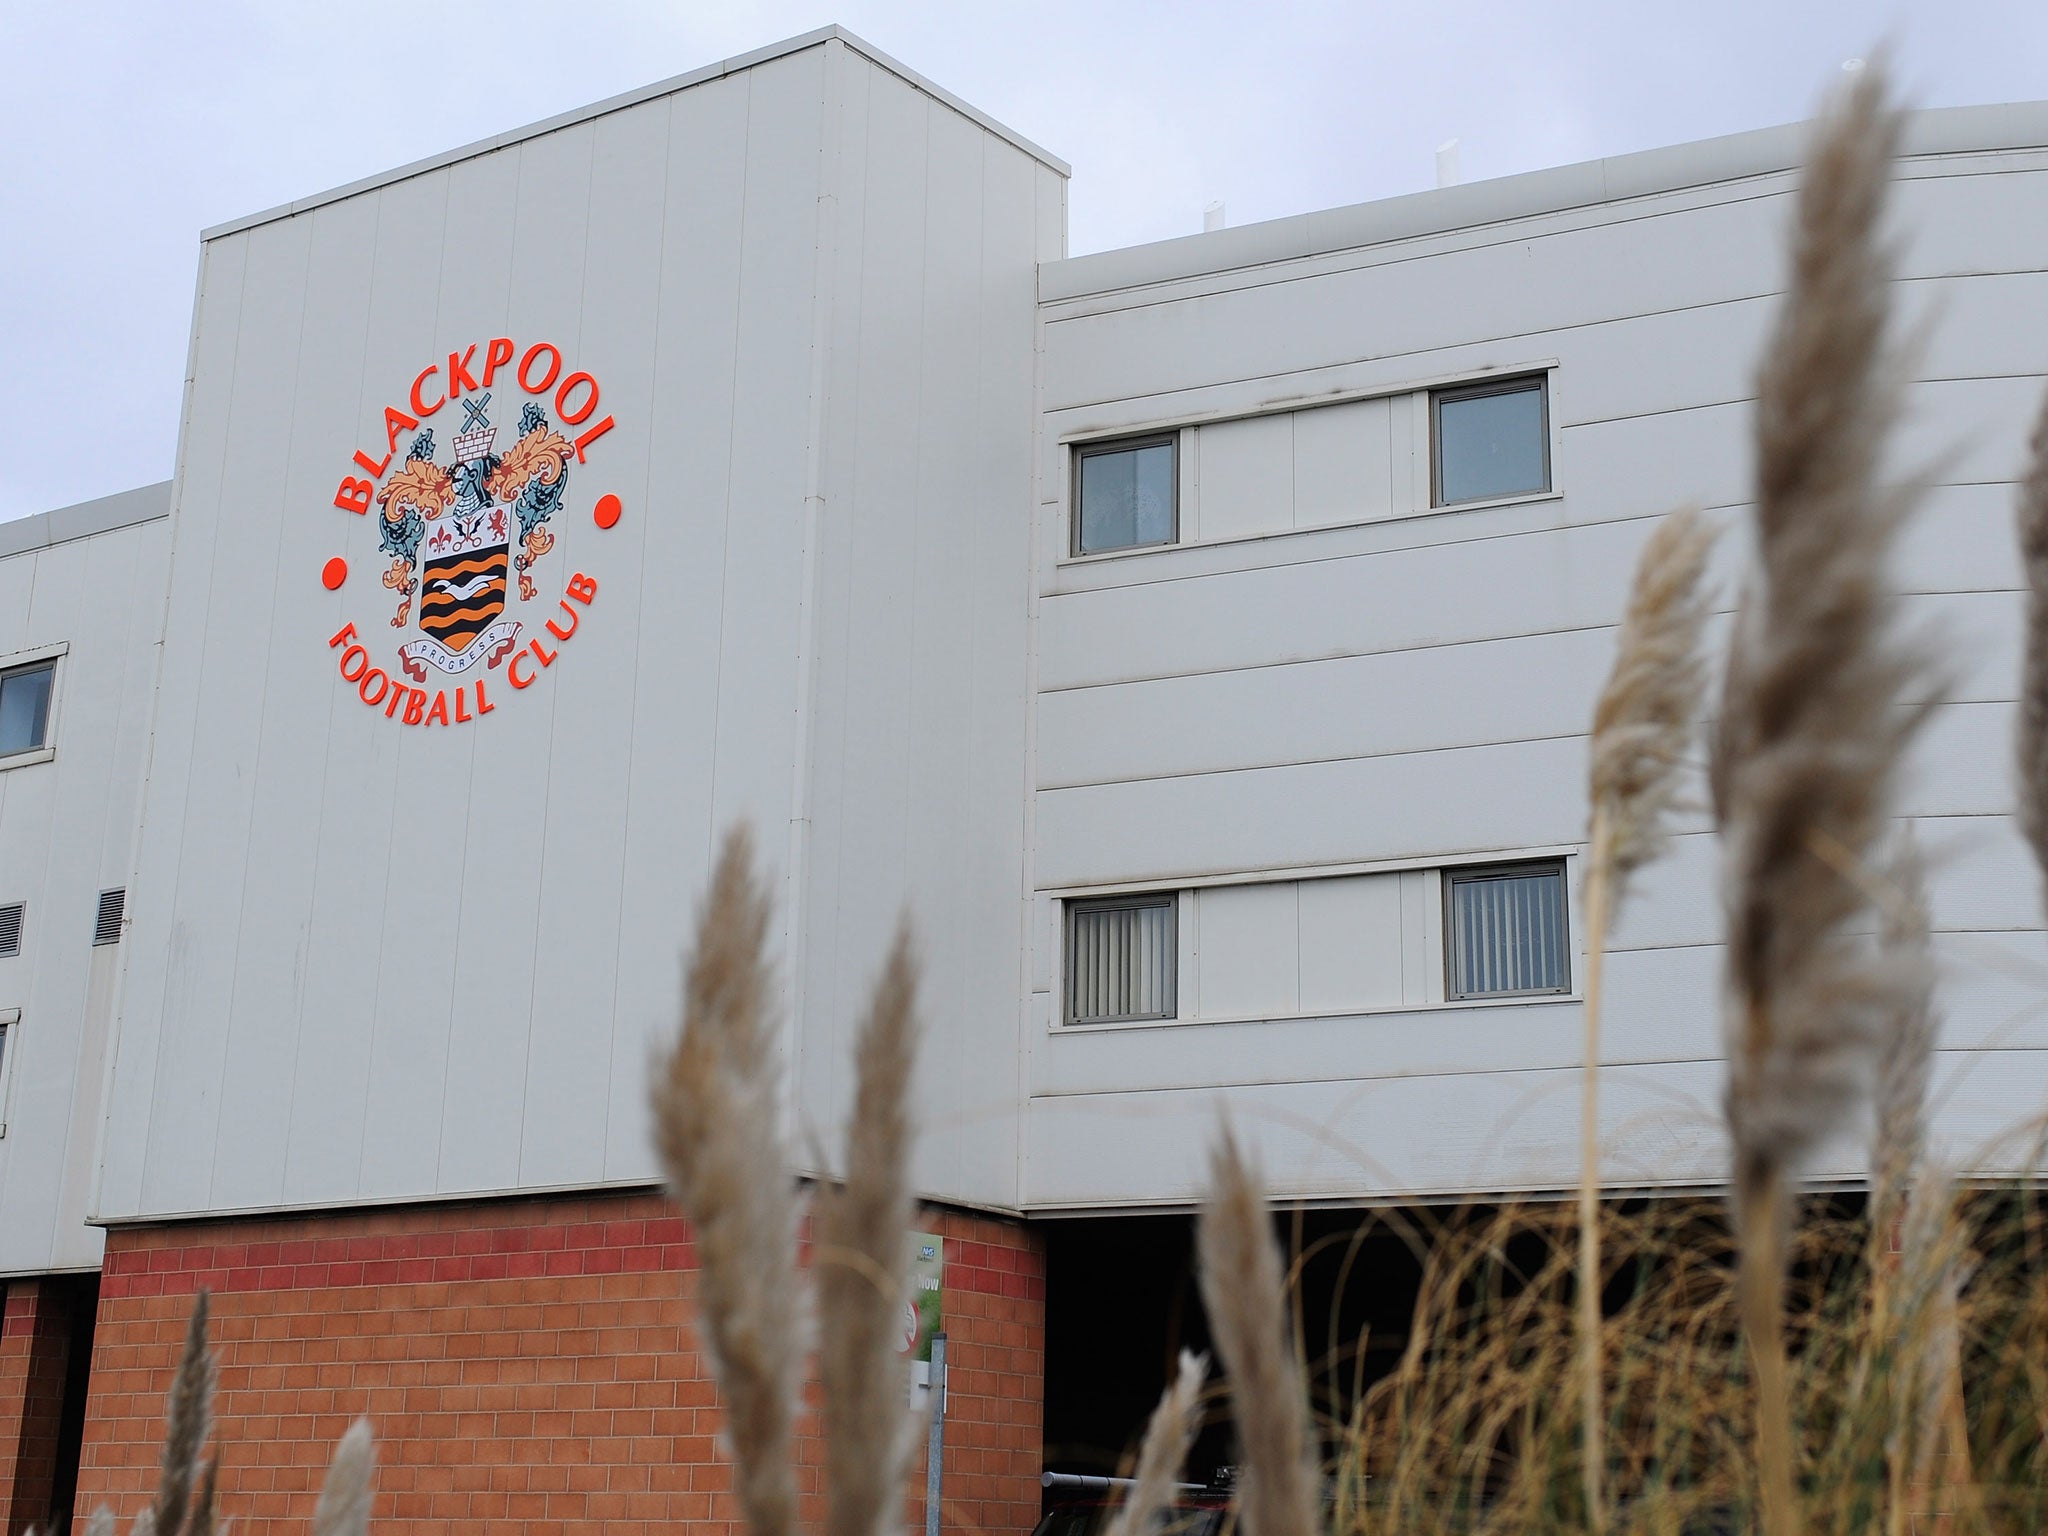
[
  {"x": 1121, "y": 959},
  {"x": 1508, "y": 933}
]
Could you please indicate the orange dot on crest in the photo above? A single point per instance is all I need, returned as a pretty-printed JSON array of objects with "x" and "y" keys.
[
  {"x": 334, "y": 573},
  {"x": 607, "y": 511}
]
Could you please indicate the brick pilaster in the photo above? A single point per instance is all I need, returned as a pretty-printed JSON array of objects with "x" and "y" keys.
[{"x": 35, "y": 1337}]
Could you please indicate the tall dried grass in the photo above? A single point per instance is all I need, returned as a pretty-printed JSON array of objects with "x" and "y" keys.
[
  {"x": 1164, "y": 1451},
  {"x": 1642, "y": 732},
  {"x": 717, "y": 1115},
  {"x": 1812, "y": 732},
  {"x": 1246, "y": 1300},
  {"x": 717, "y": 1100}
]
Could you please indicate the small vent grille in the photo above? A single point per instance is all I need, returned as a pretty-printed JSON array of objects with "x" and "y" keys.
[
  {"x": 106, "y": 929},
  {"x": 10, "y": 929}
]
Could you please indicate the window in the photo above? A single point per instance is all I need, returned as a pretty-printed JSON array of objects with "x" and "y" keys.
[
  {"x": 1491, "y": 440},
  {"x": 106, "y": 927},
  {"x": 25, "y": 708},
  {"x": 1505, "y": 931},
  {"x": 1126, "y": 494},
  {"x": 1122, "y": 959},
  {"x": 10, "y": 1020}
]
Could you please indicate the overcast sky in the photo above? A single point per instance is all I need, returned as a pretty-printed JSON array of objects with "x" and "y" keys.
[{"x": 127, "y": 126}]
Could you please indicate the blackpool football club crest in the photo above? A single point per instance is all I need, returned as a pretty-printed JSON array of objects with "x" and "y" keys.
[{"x": 463, "y": 539}]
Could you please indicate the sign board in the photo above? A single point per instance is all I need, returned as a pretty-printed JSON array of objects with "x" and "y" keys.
[{"x": 924, "y": 1309}]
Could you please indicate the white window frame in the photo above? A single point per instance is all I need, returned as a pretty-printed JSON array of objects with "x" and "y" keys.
[{"x": 20, "y": 661}]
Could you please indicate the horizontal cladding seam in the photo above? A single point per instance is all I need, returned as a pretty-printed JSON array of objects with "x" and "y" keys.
[
  {"x": 1310, "y": 402},
  {"x": 1432, "y": 515},
  {"x": 1511, "y": 637},
  {"x": 1963, "y": 1053},
  {"x": 1494, "y": 744},
  {"x": 1931, "y": 165},
  {"x": 1953, "y": 930},
  {"x": 1736, "y": 400}
]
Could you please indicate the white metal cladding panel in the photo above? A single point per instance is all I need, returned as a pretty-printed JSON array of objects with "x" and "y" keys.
[
  {"x": 683, "y": 590},
  {"x": 374, "y": 962},
  {"x": 1244, "y": 477},
  {"x": 462, "y": 1080},
  {"x": 569, "y": 1068},
  {"x": 1454, "y": 695},
  {"x": 919, "y": 630},
  {"x": 1352, "y": 810},
  {"x": 161, "y": 962},
  {"x": 1357, "y": 943},
  {"x": 1479, "y": 1129},
  {"x": 391, "y": 300},
  {"x": 269, "y": 928},
  {"x": 65, "y": 835},
  {"x": 1249, "y": 948}
]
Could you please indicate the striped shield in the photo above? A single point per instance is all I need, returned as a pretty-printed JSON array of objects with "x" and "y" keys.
[{"x": 461, "y": 593}]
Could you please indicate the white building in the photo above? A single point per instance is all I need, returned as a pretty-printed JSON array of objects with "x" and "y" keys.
[{"x": 1198, "y": 638}]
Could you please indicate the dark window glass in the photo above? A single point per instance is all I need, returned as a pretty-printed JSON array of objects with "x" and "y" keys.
[
  {"x": 1507, "y": 931},
  {"x": 25, "y": 708},
  {"x": 1126, "y": 496},
  {"x": 1491, "y": 442}
]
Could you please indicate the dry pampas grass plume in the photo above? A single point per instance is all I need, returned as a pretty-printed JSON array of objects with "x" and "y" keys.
[
  {"x": 1642, "y": 727},
  {"x": 863, "y": 1264},
  {"x": 717, "y": 1112},
  {"x": 1164, "y": 1450},
  {"x": 1812, "y": 730},
  {"x": 1244, "y": 1294},
  {"x": 2033, "y": 713},
  {"x": 1906, "y": 1049},
  {"x": 344, "y": 1507}
]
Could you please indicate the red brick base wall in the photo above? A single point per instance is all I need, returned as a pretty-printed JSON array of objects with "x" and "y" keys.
[
  {"x": 35, "y": 1337},
  {"x": 524, "y": 1363}
]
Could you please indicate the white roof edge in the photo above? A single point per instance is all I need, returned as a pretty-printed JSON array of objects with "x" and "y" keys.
[
  {"x": 60, "y": 525},
  {"x": 634, "y": 98},
  {"x": 1733, "y": 157}
]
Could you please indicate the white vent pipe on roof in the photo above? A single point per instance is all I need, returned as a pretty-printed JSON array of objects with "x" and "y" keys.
[
  {"x": 1212, "y": 218},
  {"x": 1447, "y": 163}
]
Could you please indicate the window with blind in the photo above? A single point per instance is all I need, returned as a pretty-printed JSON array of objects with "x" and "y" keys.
[
  {"x": 1504, "y": 931},
  {"x": 1122, "y": 959}
]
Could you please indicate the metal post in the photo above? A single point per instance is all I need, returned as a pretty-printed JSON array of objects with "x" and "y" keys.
[{"x": 935, "y": 1443}]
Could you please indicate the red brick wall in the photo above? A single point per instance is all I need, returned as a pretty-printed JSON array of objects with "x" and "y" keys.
[
  {"x": 527, "y": 1363},
  {"x": 35, "y": 1336}
]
